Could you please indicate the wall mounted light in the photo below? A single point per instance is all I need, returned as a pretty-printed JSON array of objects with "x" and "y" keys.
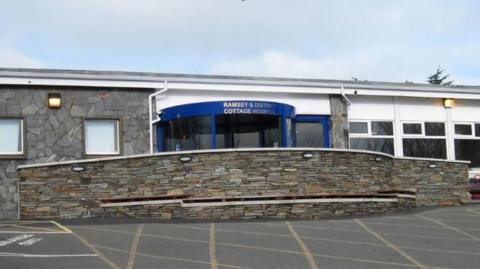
[
  {"x": 307, "y": 155},
  {"x": 432, "y": 165},
  {"x": 78, "y": 168},
  {"x": 54, "y": 100},
  {"x": 378, "y": 159},
  {"x": 448, "y": 102},
  {"x": 185, "y": 159}
]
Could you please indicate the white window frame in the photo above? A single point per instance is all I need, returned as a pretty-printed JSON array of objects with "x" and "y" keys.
[
  {"x": 369, "y": 130},
  {"x": 22, "y": 138},
  {"x": 117, "y": 152},
  {"x": 423, "y": 134},
  {"x": 470, "y": 136}
]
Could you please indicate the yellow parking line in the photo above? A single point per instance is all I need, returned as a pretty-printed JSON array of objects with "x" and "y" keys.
[
  {"x": 211, "y": 243},
  {"x": 451, "y": 228},
  {"x": 134, "y": 247},
  {"x": 306, "y": 251},
  {"x": 391, "y": 245},
  {"x": 61, "y": 227}
]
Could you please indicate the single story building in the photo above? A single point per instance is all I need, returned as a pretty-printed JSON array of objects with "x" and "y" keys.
[{"x": 57, "y": 115}]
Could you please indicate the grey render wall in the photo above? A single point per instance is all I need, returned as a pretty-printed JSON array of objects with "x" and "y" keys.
[{"x": 57, "y": 135}]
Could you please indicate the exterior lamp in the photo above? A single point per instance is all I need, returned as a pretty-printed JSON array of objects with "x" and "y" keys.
[
  {"x": 432, "y": 165},
  {"x": 448, "y": 102},
  {"x": 54, "y": 100},
  {"x": 307, "y": 155},
  {"x": 185, "y": 159}
]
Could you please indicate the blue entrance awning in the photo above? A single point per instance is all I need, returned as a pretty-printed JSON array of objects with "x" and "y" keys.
[{"x": 227, "y": 108}]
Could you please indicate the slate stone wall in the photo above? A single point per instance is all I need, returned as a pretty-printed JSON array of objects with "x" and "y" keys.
[
  {"x": 57, "y": 191},
  {"x": 339, "y": 118},
  {"x": 57, "y": 135}
]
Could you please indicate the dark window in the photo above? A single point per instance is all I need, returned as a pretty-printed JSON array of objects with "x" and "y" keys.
[
  {"x": 382, "y": 128},
  {"x": 434, "y": 129},
  {"x": 463, "y": 129},
  {"x": 477, "y": 130},
  {"x": 425, "y": 148},
  {"x": 189, "y": 134},
  {"x": 468, "y": 150},
  {"x": 384, "y": 145},
  {"x": 412, "y": 128},
  {"x": 309, "y": 134},
  {"x": 358, "y": 127},
  {"x": 247, "y": 131}
]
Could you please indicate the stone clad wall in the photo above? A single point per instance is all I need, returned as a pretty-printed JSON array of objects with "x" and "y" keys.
[
  {"x": 56, "y": 134},
  {"x": 56, "y": 191}
]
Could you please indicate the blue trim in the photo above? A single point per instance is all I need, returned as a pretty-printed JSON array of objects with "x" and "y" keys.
[
  {"x": 161, "y": 146},
  {"x": 227, "y": 107},
  {"x": 322, "y": 119}
]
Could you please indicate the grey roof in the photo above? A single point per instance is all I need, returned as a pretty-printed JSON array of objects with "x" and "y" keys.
[{"x": 220, "y": 79}]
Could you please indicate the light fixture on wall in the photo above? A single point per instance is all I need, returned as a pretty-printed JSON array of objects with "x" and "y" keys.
[
  {"x": 448, "y": 102},
  {"x": 185, "y": 159},
  {"x": 54, "y": 100},
  {"x": 78, "y": 168},
  {"x": 378, "y": 159},
  {"x": 307, "y": 155},
  {"x": 432, "y": 165}
]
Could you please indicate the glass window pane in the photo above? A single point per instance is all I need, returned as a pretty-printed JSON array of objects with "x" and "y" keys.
[
  {"x": 309, "y": 134},
  {"x": 101, "y": 137},
  {"x": 384, "y": 145},
  {"x": 434, "y": 129},
  {"x": 358, "y": 127},
  {"x": 463, "y": 129},
  {"x": 412, "y": 128},
  {"x": 425, "y": 148},
  {"x": 382, "y": 128},
  {"x": 248, "y": 131},
  {"x": 477, "y": 130},
  {"x": 189, "y": 134},
  {"x": 10, "y": 136},
  {"x": 468, "y": 150}
]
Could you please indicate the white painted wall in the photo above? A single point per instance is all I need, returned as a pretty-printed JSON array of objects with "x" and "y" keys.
[
  {"x": 303, "y": 103},
  {"x": 466, "y": 110},
  {"x": 371, "y": 108}
]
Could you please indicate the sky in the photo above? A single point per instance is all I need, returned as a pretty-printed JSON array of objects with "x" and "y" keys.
[{"x": 375, "y": 40}]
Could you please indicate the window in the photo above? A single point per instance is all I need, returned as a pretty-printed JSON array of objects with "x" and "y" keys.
[
  {"x": 312, "y": 131},
  {"x": 102, "y": 137},
  {"x": 412, "y": 128},
  {"x": 372, "y": 135},
  {"x": 11, "y": 136},
  {"x": 467, "y": 143},
  {"x": 463, "y": 129},
  {"x": 358, "y": 127},
  {"x": 424, "y": 140}
]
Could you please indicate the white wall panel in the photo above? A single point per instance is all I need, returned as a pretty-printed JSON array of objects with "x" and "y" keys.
[
  {"x": 371, "y": 108},
  {"x": 421, "y": 109},
  {"x": 466, "y": 110},
  {"x": 304, "y": 103}
]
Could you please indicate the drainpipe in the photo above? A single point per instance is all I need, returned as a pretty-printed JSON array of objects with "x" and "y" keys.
[
  {"x": 345, "y": 97},
  {"x": 150, "y": 117}
]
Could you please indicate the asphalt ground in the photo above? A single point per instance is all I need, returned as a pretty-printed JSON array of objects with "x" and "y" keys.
[{"x": 433, "y": 238}]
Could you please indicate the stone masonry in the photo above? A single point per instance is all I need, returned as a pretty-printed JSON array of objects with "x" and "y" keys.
[
  {"x": 55, "y": 191},
  {"x": 57, "y": 134}
]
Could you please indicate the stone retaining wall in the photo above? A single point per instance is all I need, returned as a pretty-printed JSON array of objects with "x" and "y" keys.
[{"x": 55, "y": 191}]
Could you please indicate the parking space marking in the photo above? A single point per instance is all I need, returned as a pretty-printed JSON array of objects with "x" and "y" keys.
[
  {"x": 96, "y": 251},
  {"x": 211, "y": 243},
  {"x": 134, "y": 247},
  {"x": 25, "y": 255},
  {"x": 253, "y": 247},
  {"x": 391, "y": 245},
  {"x": 473, "y": 211},
  {"x": 15, "y": 239},
  {"x": 167, "y": 258},
  {"x": 306, "y": 251},
  {"x": 451, "y": 228},
  {"x": 30, "y": 242},
  {"x": 29, "y": 229}
]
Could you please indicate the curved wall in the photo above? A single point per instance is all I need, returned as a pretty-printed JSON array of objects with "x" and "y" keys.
[{"x": 54, "y": 190}]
